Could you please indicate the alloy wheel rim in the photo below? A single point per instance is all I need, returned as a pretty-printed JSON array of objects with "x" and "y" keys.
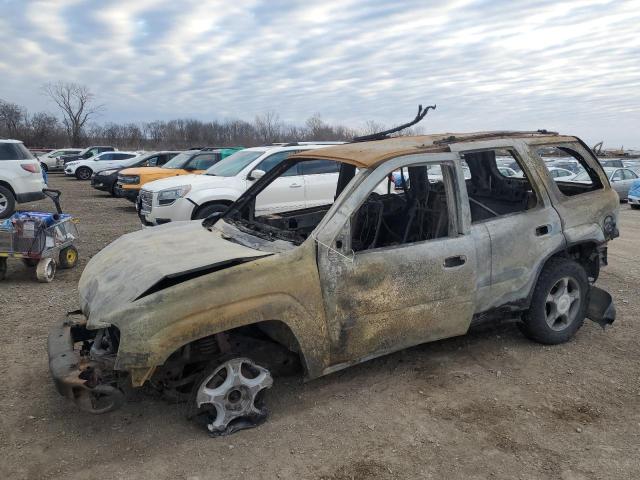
[
  {"x": 562, "y": 304},
  {"x": 4, "y": 203}
]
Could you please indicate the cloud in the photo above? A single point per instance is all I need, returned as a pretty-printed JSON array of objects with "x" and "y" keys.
[{"x": 571, "y": 66}]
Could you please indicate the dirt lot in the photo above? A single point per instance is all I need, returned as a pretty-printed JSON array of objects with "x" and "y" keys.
[{"x": 487, "y": 405}]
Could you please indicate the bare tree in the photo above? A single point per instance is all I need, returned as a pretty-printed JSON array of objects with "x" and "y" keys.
[
  {"x": 269, "y": 127},
  {"x": 11, "y": 117},
  {"x": 77, "y": 104}
]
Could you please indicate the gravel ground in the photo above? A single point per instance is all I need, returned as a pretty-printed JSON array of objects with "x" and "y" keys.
[{"x": 487, "y": 405}]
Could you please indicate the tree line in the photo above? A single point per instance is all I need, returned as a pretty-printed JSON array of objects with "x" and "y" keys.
[{"x": 77, "y": 127}]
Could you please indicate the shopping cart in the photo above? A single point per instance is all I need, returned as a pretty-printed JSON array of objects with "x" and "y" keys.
[{"x": 41, "y": 239}]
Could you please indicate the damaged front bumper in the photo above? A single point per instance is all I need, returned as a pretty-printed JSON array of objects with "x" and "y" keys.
[{"x": 89, "y": 383}]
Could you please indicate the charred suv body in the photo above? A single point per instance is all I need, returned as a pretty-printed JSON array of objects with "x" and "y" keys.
[{"x": 210, "y": 310}]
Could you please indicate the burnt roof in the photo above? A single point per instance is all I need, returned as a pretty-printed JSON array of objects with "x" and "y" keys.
[{"x": 370, "y": 154}]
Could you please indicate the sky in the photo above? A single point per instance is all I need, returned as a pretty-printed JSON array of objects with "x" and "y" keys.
[{"x": 570, "y": 66}]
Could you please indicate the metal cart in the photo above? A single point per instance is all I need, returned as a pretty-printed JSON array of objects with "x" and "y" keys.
[{"x": 42, "y": 240}]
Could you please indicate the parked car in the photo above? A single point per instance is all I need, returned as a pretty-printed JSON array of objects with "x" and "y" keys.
[
  {"x": 198, "y": 196},
  {"x": 49, "y": 161},
  {"x": 21, "y": 178},
  {"x": 561, "y": 174},
  {"x": 131, "y": 180},
  {"x": 83, "y": 155},
  {"x": 83, "y": 169},
  {"x": 566, "y": 163},
  {"x": 621, "y": 179},
  {"x": 211, "y": 311},
  {"x": 634, "y": 195},
  {"x": 611, "y": 162},
  {"x": 106, "y": 180}
]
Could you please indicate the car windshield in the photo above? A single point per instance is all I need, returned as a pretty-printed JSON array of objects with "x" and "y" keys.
[
  {"x": 234, "y": 164},
  {"x": 179, "y": 160}
]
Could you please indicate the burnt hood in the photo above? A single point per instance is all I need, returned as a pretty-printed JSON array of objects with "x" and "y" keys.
[{"x": 151, "y": 259}]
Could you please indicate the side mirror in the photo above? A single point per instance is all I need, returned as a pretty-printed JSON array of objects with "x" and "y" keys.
[{"x": 256, "y": 174}]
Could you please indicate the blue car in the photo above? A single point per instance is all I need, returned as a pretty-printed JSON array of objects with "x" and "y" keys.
[{"x": 634, "y": 195}]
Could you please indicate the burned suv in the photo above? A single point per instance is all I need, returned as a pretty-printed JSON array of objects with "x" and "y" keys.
[{"x": 211, "y": 311}]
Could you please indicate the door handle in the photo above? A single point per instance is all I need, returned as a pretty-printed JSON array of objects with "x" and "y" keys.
[
  {"x": 295, "y": 185},
  {"x": 543, "y": 230},
  {"x": 455, "y": 261}
]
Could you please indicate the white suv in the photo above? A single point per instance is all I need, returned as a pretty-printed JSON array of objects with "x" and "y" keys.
[
  {"x": 20, "y": 177},
  {"x": 83, "y": 169},
  {"x": 49, "y": 161},
  {"x": 188, "y": 197}
]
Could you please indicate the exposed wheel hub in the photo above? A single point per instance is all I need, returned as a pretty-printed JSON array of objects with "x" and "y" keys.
[{"x": 230, "y": 396}]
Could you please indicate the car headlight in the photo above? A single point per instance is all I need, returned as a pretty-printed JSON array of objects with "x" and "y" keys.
[
  {"x": 129, "y": 179},
  {"x": 167, "y": 197},
  {"x": 107, "y": 172}
]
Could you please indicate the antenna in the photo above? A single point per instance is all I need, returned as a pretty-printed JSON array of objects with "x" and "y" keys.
[{"x": 385, "y": 134}]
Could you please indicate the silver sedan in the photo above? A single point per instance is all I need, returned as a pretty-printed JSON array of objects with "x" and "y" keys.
[{"x": 621, "y": 179}]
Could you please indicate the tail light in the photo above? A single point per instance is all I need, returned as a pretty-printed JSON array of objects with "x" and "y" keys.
[{"x": 30, "y": 167}]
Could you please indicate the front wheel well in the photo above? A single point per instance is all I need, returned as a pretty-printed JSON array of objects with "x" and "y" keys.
[
  {"x": 270, "y": 343},
  {"x": 199, "y": 208}
]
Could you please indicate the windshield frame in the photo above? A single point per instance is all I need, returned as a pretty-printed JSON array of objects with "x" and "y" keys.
[{"x": 233, "y": 216}]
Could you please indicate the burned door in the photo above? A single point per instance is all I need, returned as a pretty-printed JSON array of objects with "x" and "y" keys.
[
  {"x": 523, "y": 226},
  {"x": 401, "y": 269}
]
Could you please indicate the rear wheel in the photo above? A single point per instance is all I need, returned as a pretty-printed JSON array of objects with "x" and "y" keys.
[
  {"x": 559, "y": 303},
  {"x": 68, "y": 257},
  {"x": 635, "y": 207},
  {"x": 46, "y": 270},
  {"x": 7, "y": 202},
  {"x": 3, "y": 268},
  {"x": 206, "y": 210},
  {"x": 83, "y": 173}
]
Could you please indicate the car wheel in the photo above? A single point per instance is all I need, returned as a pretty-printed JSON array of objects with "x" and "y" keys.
[
  {"x": 68, "y": 257},
  {"x": 229, "y": 396},
  {"x": 7, "y": 202},
  {"x": 206, "y": 210},
  {"x": 3, "y": 268},
  {"x": 635, "y": 207},
  {"x": 83, "y": 173},
  {"x": 46, "y": 270},
  {"x": 559, "y": 303}
]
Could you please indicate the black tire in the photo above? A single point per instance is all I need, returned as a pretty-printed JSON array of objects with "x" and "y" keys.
[
  {"x": 83, "y": 173},
  {"x": 635, "y": 207},
  {"x": 206, "y": 210},
  {"x": 3, "y": 268},
  {"x": 7, "y": 202},
  {"x": 68, "y": 257},
  {"x": 538, "y": 322}
]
